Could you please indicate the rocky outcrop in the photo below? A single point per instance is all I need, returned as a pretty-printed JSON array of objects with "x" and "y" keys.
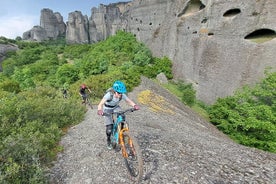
[
  {"x": 51, "y": 27},
  {"x": 104, "y": 21},
  {"x": 77, "y": 28},
  {"x": 37, "y": 33},
  {"x": 4, "y": 48},
  {"x": 52, "y": 23}
]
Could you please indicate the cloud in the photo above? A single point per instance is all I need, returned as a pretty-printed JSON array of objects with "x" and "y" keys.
[{"x": 11, "y": 27}]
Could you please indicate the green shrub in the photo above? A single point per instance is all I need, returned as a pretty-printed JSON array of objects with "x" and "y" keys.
[
  {"x": 188, "y": 93},
  {"x": 67, "y": 73},
  {"x": 10, "y": 86},
  {"x": 30, "y": 127},
  {"x": 159, "y": 65},
  {"x": 249, "y": 116}
]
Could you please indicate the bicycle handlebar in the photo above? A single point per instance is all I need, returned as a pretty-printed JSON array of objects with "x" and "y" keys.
[{"x": 120, "y": 112}]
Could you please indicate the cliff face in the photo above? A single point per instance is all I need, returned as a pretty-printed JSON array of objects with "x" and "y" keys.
[
  {"x": 209, "y": 42},
  {"x": 104, "y": 21},
  {"x": 77, "y": 28}
]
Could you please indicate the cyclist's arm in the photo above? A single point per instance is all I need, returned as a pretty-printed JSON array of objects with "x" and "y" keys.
[
  {"x": 130, "y": 102},
  {"x": 100, "y": 106},
  {"x": 80, "y": 93}
]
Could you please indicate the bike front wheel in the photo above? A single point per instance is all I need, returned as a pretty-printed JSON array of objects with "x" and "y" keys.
[{"x": 133, "y": 160}]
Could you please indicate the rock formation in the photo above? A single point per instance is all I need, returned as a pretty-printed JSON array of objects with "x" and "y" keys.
[
  {"x": 51, "y": 27},
  {"x": 37, "y": 33},
  {"x": 77, "y": 28},
  {"x": 104, "y": 21},
  {"x": 4, "y": 48},
  {"x": 218, "y": 46}
]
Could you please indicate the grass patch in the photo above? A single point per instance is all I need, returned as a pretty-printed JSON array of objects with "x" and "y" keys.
[{"x": 198, "y": 107}]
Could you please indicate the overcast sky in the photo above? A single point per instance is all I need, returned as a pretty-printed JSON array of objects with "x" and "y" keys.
[{"x": 18, "y": 16}]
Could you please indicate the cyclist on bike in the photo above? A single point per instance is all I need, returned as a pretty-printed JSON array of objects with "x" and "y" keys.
[
  {"x": 82, "y": 92},
  {"x": 110, "y": 103},
  {"x": 65, "y": 93},
  {"x": 65, "y": 90}
]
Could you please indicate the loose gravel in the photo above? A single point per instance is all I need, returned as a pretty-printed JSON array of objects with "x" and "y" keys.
[{"x": 177, "y": 148}]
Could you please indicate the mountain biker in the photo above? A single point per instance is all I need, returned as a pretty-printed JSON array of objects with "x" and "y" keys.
[
  {"x": 65, "y": 93},
  {"x": 65, "y": 90},
  {"x": 82, "y": 92},
  {"x": 110, "y": 103}
]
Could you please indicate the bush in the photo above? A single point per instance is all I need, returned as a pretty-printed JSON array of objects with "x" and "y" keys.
[
  {"x": 188, "y": 93},
  {"x": 249, "y": 116},
  {"x": 159, "y": 65},
  {"x": 67, "y": 73},
  {"x": 31, "y": 124}
]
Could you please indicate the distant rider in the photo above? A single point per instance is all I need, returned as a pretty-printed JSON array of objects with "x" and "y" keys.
[{"x": 83, "y": 93}]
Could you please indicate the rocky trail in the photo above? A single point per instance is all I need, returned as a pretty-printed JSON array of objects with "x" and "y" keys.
[{"x": 178, "y": 147}]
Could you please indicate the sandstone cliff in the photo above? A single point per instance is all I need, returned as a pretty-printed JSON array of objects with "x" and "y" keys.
[{"x": 209, "y": 42}]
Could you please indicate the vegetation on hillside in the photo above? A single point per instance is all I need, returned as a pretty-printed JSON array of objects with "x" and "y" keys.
[
  {"x": 249, "y": 116},
  {"x": 33, "y": 112}
]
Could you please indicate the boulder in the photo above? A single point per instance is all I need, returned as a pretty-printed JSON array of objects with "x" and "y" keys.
[
  {"x": 37, "y": 33},
  {"x": 4, "y": 48}
]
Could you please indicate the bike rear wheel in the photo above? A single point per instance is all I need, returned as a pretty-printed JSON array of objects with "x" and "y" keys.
[
  {"x": 134, "y": 161},
  {"x": 89, "y": 103}
]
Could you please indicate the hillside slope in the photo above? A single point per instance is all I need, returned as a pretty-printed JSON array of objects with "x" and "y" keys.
[{"x": 177, "y": 145}]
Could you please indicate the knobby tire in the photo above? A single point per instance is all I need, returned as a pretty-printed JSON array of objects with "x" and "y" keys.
[
  {"x": 89, "y": 103},
  {"x": 133, "y": 162}
]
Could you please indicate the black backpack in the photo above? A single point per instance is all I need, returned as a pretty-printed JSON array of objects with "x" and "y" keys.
[{"x": 111, "y": 91}]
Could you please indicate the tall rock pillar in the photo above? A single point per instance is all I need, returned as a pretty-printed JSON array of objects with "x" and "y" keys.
[{"x": 77, "y": 28}]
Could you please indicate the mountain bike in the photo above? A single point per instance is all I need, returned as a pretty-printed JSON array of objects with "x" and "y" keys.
[
  {"x": 87, "y": 101},
  {"x": 121, "y": 139}
]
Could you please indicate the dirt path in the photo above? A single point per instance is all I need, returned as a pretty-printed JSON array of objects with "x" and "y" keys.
[{"x": 177, "y": 146}]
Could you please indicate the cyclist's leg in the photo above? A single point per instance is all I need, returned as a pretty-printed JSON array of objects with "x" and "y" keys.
[
  {"x": 83, "y": 98},
  {"x": 108, "y": 133},
  {"x": 109, "y": 126}
]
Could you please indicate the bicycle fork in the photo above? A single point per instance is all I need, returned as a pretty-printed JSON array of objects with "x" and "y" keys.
[{"x": 122, "y": 143}]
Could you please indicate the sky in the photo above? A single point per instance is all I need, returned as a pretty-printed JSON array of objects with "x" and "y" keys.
[{"x": 19, "y": 16}]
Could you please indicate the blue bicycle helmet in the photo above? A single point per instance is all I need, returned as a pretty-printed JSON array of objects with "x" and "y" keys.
[{"x": 119, "y": 87}]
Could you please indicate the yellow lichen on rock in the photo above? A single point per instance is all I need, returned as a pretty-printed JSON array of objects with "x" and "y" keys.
[{"x": 155, "y": 102}]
